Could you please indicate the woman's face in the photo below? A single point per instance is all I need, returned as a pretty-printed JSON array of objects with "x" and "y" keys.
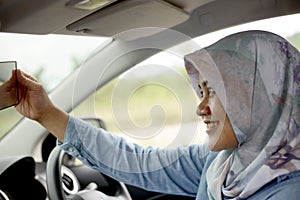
[{"x": 219, "y": 130}]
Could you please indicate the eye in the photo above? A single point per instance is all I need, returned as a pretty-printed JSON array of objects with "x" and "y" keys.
[
  {"x": 205, "y": 89},
  {"x": 211, "y": 91},
  {"x": 200, "y": 91}
]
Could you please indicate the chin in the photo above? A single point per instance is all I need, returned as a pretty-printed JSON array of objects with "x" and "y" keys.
[
  {"x": 214, "y": 147},
  {"x": 217, "y": 147}
]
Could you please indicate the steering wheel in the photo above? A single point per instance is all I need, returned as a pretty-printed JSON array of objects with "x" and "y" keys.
[{"x": 55, "y": 171}]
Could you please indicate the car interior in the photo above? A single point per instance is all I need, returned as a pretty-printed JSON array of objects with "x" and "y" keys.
[{"x": 31, "y": 164}]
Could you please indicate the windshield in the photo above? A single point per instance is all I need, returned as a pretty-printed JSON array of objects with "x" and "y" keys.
[{"x": 50, "y": 58}]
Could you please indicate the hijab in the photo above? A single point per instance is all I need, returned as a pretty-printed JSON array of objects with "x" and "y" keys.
[{"x": 256, "y": 75}]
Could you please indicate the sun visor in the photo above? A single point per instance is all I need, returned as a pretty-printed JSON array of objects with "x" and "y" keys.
[{"x": 128, "y": 15}]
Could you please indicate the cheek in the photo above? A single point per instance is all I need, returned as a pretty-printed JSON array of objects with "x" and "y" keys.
[
  {"x": 228, "y": 132},
  {"x": 217, "y": 109}
]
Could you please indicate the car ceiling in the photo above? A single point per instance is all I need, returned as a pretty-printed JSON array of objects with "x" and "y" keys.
[{"x": 192, "y": 17}]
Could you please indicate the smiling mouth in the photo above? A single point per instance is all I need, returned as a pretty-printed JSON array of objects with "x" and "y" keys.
[{"x": 211, "y": 124}]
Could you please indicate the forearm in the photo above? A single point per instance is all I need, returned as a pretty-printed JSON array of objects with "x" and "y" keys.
[
  {"x": 55, "y": 121},
  {"x": 133, "y": 164}
]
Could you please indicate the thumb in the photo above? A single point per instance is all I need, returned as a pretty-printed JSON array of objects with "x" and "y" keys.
[{"x": 13, "y": 77}]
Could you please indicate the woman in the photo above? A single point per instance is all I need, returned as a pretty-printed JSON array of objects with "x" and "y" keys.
[
  {"x": 249, "y": 86},
  {"x": 257, "y": 77}
]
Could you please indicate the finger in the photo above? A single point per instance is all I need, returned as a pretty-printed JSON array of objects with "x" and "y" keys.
[
  {"x": 26, "y": 80},
  {"x": 29, "y": 76}
]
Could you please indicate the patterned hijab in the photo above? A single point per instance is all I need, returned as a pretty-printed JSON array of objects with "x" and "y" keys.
[{"x": 256, "y": 75}]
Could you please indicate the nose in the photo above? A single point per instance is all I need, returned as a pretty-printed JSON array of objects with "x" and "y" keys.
[{"x": 203, "y": 109}]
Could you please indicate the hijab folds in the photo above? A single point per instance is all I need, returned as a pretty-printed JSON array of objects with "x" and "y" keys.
[{"x": 256, "y": 75}]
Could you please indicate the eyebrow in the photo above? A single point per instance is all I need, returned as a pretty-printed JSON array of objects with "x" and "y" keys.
[{"x": 203, "y": 82}]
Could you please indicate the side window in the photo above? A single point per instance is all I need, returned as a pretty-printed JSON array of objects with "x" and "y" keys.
[
  {"x": 153, "y": 103},
  {"x": 150, "y": 104}
]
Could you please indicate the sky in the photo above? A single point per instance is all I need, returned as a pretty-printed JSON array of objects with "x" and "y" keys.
[{"x": 55, "y": 51}]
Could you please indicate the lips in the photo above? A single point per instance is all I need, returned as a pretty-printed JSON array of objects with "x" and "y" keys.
[{"x": 211, "y": 124}]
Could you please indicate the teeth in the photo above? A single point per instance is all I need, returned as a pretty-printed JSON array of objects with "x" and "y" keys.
[{"x": 212, "y": 124}]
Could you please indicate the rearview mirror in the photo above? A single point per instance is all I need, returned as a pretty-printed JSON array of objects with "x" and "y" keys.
[{"x": 8, "y": 85}]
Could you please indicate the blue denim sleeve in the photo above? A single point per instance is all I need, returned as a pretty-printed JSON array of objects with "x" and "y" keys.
[{"x": 173, "y": 171}]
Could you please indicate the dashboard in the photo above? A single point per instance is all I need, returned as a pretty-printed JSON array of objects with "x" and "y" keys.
[{"x": 18, "y": 179}]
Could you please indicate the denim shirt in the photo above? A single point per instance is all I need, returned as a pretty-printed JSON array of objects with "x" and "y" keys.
[{"x": 178, "y": 171}]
